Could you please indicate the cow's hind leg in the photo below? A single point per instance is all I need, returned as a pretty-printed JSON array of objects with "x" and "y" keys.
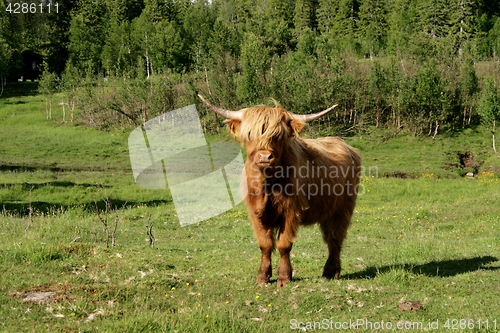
[{"x": 334, "y": 232}]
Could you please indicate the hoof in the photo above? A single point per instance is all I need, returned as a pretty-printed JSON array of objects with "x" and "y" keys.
[
  {"x": 331, "y": 275},
  {"x": 282, "y": 282},
  {"x": 262, "y": 280}
]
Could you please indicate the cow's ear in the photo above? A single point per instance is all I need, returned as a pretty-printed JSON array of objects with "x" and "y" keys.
[
  {"x": 234, "y": 126},
  {"x": 296, "y": 126}
]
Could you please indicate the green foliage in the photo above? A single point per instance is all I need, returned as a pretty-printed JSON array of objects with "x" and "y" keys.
[
  {"x": 494, "y": 39},
  {"x": 254, "y": 63},
  {"x": 489, "y": 103},
  {"x": 278, "y": 27},
  {"x": 373, "y": 25},
  {"x": 307, "y": 54},
  {"x": 469, "y": 82},
  {"x": 48, "y": 84},
  {"x": 378, "y": 91},
  {"x": 401, "y": 20},
  {"x": 434, "y": 18},
  {"x": 304, "y": 16},
  {"x": 5, "y": 50},
  {"x": 85, "y": 45},
  {"x": 325, "y": 13},
  {"x": 5, "y": 53},
  {"x": 430, "y": 100},
  {"x": 342, "y": 26},
  {"x": 117, "y": 55}
]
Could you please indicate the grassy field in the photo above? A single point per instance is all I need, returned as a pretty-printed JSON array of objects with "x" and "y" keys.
[{"x": 430, "y": 236}]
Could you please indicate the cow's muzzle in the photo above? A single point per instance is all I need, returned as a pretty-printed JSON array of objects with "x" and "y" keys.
[{"x": 264, "y": 158}]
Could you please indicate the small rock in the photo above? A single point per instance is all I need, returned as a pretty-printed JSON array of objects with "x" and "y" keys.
[
  {"x": 93, "y": 315},
  {"x": 39, "y": 297},
  {"x": 470, "y": 175}
]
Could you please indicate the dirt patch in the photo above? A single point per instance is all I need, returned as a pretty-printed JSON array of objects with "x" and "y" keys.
[
  {"x": 39, "y": 297},
  {"x": 411, "y": 306},
  {"x": 398, "y": 174},
  {"x": 464, "y": 161},
  {"x": 44, "y": 294},
  {"x": 467, "y": 160}
]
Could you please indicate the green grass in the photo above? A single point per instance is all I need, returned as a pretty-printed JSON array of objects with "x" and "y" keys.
[
  {"x": 433, "y": 239},
  {"x": 423, "y": 155}
]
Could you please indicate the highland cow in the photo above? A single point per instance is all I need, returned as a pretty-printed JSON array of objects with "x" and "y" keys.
[{"x": 290, "y": 181}]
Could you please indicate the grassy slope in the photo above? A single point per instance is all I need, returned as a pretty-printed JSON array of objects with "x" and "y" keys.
[{"x": 433, "y": 239}]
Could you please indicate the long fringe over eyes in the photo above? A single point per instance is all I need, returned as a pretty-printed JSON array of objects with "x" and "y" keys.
[{"x": 264, "y": 124}]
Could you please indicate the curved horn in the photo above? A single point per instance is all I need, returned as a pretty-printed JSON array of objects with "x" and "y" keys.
[
  {"x": 310, "y": 117},
  {"x": 238, "y": 115}
]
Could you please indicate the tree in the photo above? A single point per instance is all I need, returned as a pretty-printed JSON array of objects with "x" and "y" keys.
[
  {"x": 426, "y": 100},
  {"x": 343, "y": 31},
  {"x": 87, "y": 30},
  {"x": 162, "y": 10},
  {"x": 434, "y": 17},
  {"x": 54, "y": 30},
  {"x": 401, "y": 22},
  {"x": 278, "y": 27},
  {"x": 48, "y": 86},
  {"x": 167, "y": 48},
  {"x": 373, "y": 25},
  {"x": 198, "y": 24},
  {"x": 377, "y": 89},
  {"x": 394, "y": 80},
  {"x": 494, "y": 37},
  {"x": 158, "y": 37},
  {"x": 489, "y": 107},
  {"x": 326, "y": 14},
  {"x": 117, "y": 53},
  {"x": 4, "y": 61},
  {"x": 69, "y": 83},
  {"x": 305, "y": 15},
  {"x": 463, "y": 21},
  {"x": 434, "y": 27},
  {"x": 254, "y": 62},
  {"x": 5, "y": 50},
  {"x": 469, "y": 87},
  {"x": 142, "y": 32},
  {"x": 220, "y": 64}
]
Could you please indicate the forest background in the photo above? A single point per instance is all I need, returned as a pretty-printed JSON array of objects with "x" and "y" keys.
[{"x": 418, "y": 67}]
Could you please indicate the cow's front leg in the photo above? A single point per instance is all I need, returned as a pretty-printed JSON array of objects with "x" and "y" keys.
[
  {"x": 285, "y": 242},
  {"x": 265, "y": 240},
  {"x": 266, "y": 248}
]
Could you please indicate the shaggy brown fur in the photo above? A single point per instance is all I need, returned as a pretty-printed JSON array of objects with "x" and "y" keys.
[{"x": 292, "y": 181}]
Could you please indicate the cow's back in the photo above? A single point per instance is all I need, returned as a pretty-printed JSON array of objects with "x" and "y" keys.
[{"x": 336, "y": 168}]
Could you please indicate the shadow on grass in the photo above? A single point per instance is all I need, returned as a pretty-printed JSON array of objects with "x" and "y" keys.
[
  {"x": 58, "y": 183},
  {"x": 443, "y": 268},
  {"x": 23, "y": 209},
  {"x": 33, "y": 168},
  {"x": 19, "y": 89}
]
